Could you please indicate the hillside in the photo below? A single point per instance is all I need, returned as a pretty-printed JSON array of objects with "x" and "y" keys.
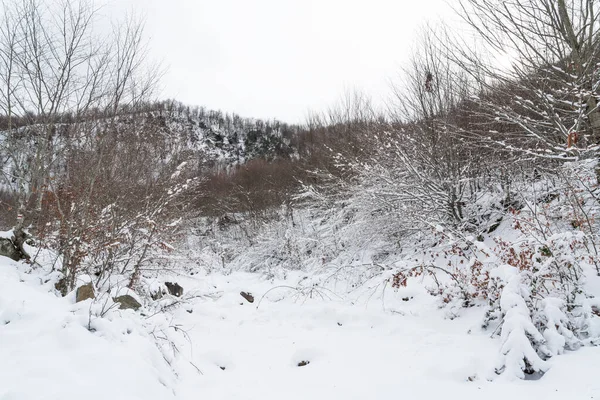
[
  {"x": 328, "y": 316},
  {"x": 164, "y": 135}
]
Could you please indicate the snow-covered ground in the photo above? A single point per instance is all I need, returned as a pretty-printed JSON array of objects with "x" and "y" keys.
[
  {"x": 227, "y": 348},
  {"x": 48, "y": 352}
]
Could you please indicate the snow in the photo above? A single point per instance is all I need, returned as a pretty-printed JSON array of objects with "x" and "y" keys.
[
  {"x": 517, "y": 332},
  {"x": 47, "y": 352},
  {"x": 382, "y": 348}
]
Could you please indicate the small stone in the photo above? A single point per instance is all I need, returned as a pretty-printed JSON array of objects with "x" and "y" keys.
[
  {"x": 157, "y": 295},
  {"x": 127, "y": 302},
  {"x": 248, "y": 296},
  {"x": 303, "y": 363},
  {"x": 61, "y": 286},
  {"x": 85, "y": 292},
  {"x": 174, "y": 289}
]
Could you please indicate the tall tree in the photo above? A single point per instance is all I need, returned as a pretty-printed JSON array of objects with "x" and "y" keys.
[
  {"x": 540, "y": 75},
  {"x": 56, "y": 72}
]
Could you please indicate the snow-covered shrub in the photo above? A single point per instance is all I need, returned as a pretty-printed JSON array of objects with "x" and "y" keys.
[
  {"x": 530, "y": 274},
  {"x": 520, "y": 337},
  {"x": 556, "y": 326},
  {"x": 99, "y": 232}
]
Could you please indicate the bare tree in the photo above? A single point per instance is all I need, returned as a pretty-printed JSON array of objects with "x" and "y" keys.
[
  {"x": 540, "y": 76},
  {"x": 424, "y": 166},
  {"x": 57, "y": 75}
]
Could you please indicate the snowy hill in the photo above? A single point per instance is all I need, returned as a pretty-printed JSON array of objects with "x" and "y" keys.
[
  {"x": 215, "y": 137},
  {"x": 209, "y": 139}
]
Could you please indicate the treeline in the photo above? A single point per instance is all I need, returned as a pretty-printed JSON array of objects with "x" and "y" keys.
[
  {"x": 244, "y": 138},
  {"x": 461, "y": 119}
]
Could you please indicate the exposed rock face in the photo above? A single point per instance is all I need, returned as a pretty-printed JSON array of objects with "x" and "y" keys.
[
  {"x": 85, "y": 292},
  {"x": 127, "y": 302},
  {"x": 174, "y": 289}
]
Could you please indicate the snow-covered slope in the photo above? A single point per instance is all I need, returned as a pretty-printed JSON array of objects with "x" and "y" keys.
[
  {"x": 383, "y": 348},
  {"x": 52, "y": 348},
  {"x": 375, "y": 350},
  {"x": 342, "y": 309}
]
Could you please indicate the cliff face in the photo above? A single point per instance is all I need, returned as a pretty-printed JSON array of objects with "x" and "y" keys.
[{"x": 216, "y": 138}]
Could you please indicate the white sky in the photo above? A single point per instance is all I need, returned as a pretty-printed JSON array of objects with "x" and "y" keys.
[{"x": 279, "y": 58}]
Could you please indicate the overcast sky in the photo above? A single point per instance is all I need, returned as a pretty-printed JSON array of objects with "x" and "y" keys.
[{"x": 279, "y": 58}]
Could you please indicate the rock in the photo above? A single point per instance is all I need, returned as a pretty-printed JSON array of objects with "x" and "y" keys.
[
  {"x": 19, "y": 238},
  {"x": 174, "y": 288},
  {"x": 303, "y": 363},
  {"x": 157, "y": 295},
  {"x": 8, "y": 249},
  {"x": 248, "y": 296},
  {"x": 85, "y": 292},
  {"x": 495, "y": 225},
  {"x": 62, "y": 286},
  {"x": 127, "y": 302}
]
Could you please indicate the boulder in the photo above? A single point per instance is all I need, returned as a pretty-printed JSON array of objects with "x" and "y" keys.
[
  {"x": 85, "y": 292},
  {"x": 12, "y": 246},
  {"x": 8, "y": 249},
  {"x": 174, "y": 289},
  {"x": 127, "y": 302}
]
